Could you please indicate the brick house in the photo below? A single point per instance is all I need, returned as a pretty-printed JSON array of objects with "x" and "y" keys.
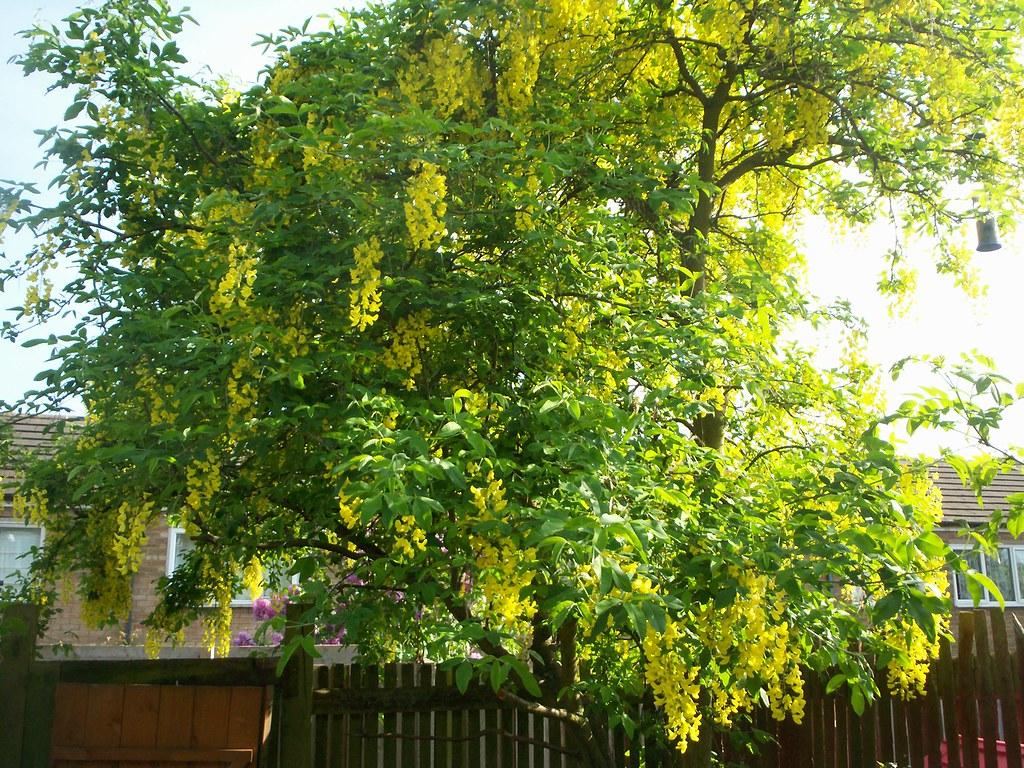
[
  {"x": 960, "y": 511},
  {"x": 163, "y": 549}
]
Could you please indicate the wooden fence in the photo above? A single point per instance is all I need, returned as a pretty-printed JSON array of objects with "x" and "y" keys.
[
  {"x": 347, "y": 716},
  {"x": 970, "y": 717},
  {"x": 412, "y": 715}
]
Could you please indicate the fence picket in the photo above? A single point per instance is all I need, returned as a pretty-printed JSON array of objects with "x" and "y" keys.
[
  {"x": 338, "y": 720},
  {"x": 389, "y": 721},
  {"x": 933, "y": 719},
  {"x": 968, "y": 714},
  {"x": 869, "y": 733},
  {"x": 354, "y": 677},
  {"x": 915, "y": 724},
  {"x": 1008, "y": 692},
  {"x": 407, "y": 719},
  {"x": 986, "y": 690},
  {"x": 946, "y": 680},
  {"x": 321, "y": 753},
  {"x": 424, "y": 723}
]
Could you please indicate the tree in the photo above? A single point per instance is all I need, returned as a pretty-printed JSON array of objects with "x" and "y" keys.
[{"x": 478, "y": 317}]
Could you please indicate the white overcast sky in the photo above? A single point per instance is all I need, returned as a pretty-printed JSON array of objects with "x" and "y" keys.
[{"x": 942, "y": 320}]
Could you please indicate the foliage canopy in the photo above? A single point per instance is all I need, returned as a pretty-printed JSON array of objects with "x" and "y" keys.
[{"x": 477, "y": 316}]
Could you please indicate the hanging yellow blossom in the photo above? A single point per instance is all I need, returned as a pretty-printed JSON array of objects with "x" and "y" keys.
[
  {"x": 444, "y": 76},
  {"x": 673, "y": 683},
  {"x": 347, "y": 511},
  {"x": 202, "y": 482},
  {"x": 410, "y": 538},
  {"x": 364, "y": 296},
  {"x": 521, "y": 46},
  {"x": 411, "y": 336},
  {"x": 425, "y": 207},
  {"x": 235, "y": 287}
]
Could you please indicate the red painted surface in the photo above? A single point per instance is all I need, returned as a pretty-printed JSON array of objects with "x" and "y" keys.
[{"x": 1000, "y": 754}]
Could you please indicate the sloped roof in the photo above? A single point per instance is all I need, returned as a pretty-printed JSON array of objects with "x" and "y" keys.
[
  {"x": 960, "y": 504},
  {"x": 36, "y": 434}
]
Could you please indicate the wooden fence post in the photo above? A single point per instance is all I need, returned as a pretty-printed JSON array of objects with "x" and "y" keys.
[
  {"x": 18, "y": 628},
  {"x": 296, "y": 696}
]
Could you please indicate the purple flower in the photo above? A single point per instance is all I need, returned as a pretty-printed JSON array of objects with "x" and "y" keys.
[
  {"x": 276, "y": 638},
  {"x": 418, "y": 615},
  {"x": 244, "y": 640},
  {"x": 333, "y": 635},
  {"x": 396, "y": 594},
  {"x": 263, "y": 610},
  {"x": 354, "y": 580}
]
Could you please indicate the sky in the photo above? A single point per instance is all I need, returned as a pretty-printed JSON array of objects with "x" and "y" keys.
[{"x": 942, "y": 320}]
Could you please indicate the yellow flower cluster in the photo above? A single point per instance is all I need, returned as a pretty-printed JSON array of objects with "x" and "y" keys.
[
  {"x": 202, "y": 482},
  {"x": 411, "y": 336},
  {"x": 445, "y": 76},
  {"x": 160, "y": 412},
  {"x": 31, "y": 507},
  {"x": 490, "y": 499},
  {"x": 752, "y": 640},
  {"x": 252, "y": 577},
  {"x": 907, "y": 673},
  {"x": 121, "y": 535},
  {"x": 217, "y": 624},
  {"x": 364, "y": 296},
  {"x": 410, "y": 538},
  {"x": 425, "y": 207},
  {"x": 235, "y": 286},
  {"x": 242, "y": 391},
  {"x": 501, "y": 580},
  {"x": 907, "y": 676},
  {"x": 294, "y": 336},
  {"x": 92, "y": 62},
  {"x": 673, "y": 684},
  {"x": 521, "y": 46},
  {"x": 717, "y": 21},
  {"x": 807, "y": 127},
  {"x": 525, "y": 211},
  {"x": 129, "y": 537},
  {"x": 347, "y": 511}
]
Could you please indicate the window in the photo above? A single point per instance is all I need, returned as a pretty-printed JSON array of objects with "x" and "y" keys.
[
  {"x": 179, "y": 545},
  {"x": 1005, "y": 567},
  {"x": 16, "y": 542}
]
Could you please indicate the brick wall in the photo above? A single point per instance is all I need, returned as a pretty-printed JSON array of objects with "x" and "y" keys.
[{"x": 67, "y": 627}]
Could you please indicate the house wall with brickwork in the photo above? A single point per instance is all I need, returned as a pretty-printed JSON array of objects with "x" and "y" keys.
[{"x": 66, "y": 628}]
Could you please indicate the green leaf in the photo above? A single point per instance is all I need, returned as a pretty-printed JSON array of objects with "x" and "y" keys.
[
  {"x": 526, "y": 677},
  {"x": 450, "y": 429},
  {"x": 74, "y": 110},
  {"x": 857, "y": 699},
  {"x": 463, "y": 674},
  {"x": 977, "y": 580},
  {"x": 835, "y": 683}
]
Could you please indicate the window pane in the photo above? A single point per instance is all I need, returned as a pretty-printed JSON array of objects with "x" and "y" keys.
[
  {"x": 1018, "y": 561},
  {"x": 183, "y": 545},
  {"x": 973, "y": 561},
  {"x": 997, "y": 567},
  {"x": 14, "y": 544}
]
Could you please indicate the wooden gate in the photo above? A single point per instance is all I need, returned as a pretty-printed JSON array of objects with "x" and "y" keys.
[
  {"x": 205, "y": 713},
  {"x": 120, "y": 726}
]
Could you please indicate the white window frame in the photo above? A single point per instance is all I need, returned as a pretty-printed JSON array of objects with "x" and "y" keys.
[
  {"x": 172, "y": 553},
  {"x": 13, "y": 522},
  {"x": 987, "y": 601}
]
